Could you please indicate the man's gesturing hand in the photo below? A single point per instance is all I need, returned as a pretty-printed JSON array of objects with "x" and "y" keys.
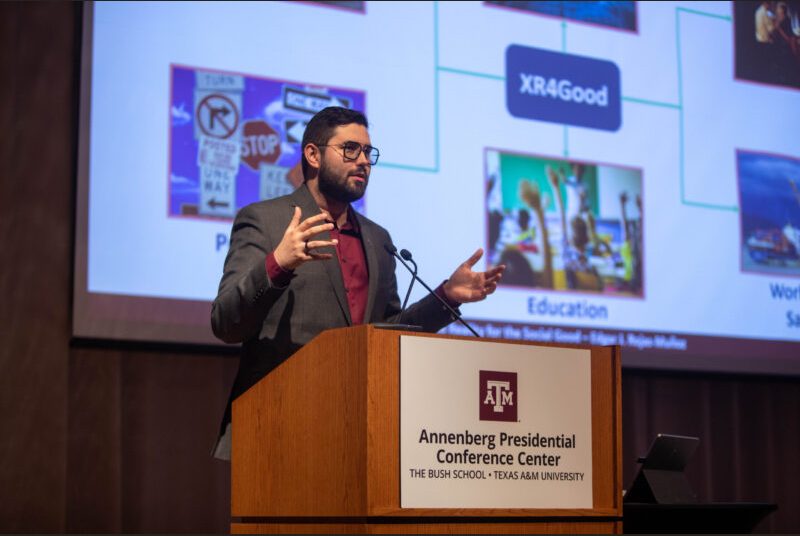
[
  {"x": 468, "y": 286},
  {"x": 297, "y": 246}
]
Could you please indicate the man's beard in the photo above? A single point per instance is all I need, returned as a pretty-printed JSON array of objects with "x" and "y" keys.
[{"x": 339, "y": 189}]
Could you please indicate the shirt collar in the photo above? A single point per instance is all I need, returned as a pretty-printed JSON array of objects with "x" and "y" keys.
[{"x": 351, "y": 224}]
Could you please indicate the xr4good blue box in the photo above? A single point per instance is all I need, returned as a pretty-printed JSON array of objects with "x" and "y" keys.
[{"x": 562, "y": 88}]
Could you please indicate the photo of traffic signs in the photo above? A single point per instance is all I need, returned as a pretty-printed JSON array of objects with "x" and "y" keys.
[{"x": 235, "y": 139}]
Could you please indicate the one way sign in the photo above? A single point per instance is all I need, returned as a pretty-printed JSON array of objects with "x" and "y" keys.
[
  {"x": 217, "y": 191},
  {"x": 294, "y": 129}
]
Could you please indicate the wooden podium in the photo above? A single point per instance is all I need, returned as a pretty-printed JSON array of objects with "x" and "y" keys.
[{"x": 316, "y": 448}]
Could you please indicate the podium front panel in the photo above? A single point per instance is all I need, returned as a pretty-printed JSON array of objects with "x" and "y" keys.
[{"x": 494, "y": 425}]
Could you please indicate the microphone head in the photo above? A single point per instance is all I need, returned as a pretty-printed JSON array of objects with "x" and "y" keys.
[
  {"x": 405, "y": 254},
  {"x": 390, "y": 249}
]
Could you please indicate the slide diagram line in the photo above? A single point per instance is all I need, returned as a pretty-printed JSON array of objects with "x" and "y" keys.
[
  {"x": 680, "y": 98},
  {"x": 436, "y": 69},
  {"x": 564, "y": 51},
  {"x": 682, "y": 140},
  {"x": 705, "y": 13},
  {"x": 436, "y": 84},
  {"x": 652, "y": 103},
  {"x": 473, "y": 73}
]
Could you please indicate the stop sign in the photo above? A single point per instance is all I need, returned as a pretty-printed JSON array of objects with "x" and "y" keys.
[{"x": 260, "y": 144}]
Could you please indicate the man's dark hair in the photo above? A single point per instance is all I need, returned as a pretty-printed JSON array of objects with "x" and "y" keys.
[{"x": 320, "y": 129}]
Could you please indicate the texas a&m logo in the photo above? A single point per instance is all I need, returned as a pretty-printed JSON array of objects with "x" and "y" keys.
[{"x": 498, "y": 396}]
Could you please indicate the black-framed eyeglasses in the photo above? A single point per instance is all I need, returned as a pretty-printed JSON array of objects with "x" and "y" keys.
[{"x": 351, "y": 150}]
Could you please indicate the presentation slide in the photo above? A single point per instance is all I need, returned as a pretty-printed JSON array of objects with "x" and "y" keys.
[{"x": 635, "y": 165}]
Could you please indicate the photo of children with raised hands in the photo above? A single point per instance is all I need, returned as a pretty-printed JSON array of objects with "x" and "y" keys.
[{"x": 564, "y": 224}]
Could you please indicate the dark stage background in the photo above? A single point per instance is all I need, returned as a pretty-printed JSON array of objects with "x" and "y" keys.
[{"x": 116, "y": 438}]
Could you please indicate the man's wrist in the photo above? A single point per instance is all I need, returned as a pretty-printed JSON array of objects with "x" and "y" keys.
[
  {"x": 278, "y": 276},
  {"x": 442, "y": 293}
]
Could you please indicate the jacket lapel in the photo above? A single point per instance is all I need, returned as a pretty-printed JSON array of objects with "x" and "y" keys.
[{"x": 302, "y": 197}]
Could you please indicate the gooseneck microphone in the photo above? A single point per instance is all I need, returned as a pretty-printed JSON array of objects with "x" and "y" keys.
[
  {"x": 393, "y": 251},
  {"x": 407, "y": 256}
]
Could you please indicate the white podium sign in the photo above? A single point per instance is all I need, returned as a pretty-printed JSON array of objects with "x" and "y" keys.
[{"x": 494, "y": 425}]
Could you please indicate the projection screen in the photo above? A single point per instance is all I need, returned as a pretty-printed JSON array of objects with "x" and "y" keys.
[{"x": 635, "y": 165}]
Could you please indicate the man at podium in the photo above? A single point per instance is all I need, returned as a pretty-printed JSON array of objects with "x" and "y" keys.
[{"x": 307, "y": 262}]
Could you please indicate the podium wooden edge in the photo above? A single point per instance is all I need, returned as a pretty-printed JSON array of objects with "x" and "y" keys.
[{"x": 416, "y": 527}]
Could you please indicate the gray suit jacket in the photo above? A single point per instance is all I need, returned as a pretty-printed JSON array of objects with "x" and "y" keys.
[{"x": 271, "y": 322}]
